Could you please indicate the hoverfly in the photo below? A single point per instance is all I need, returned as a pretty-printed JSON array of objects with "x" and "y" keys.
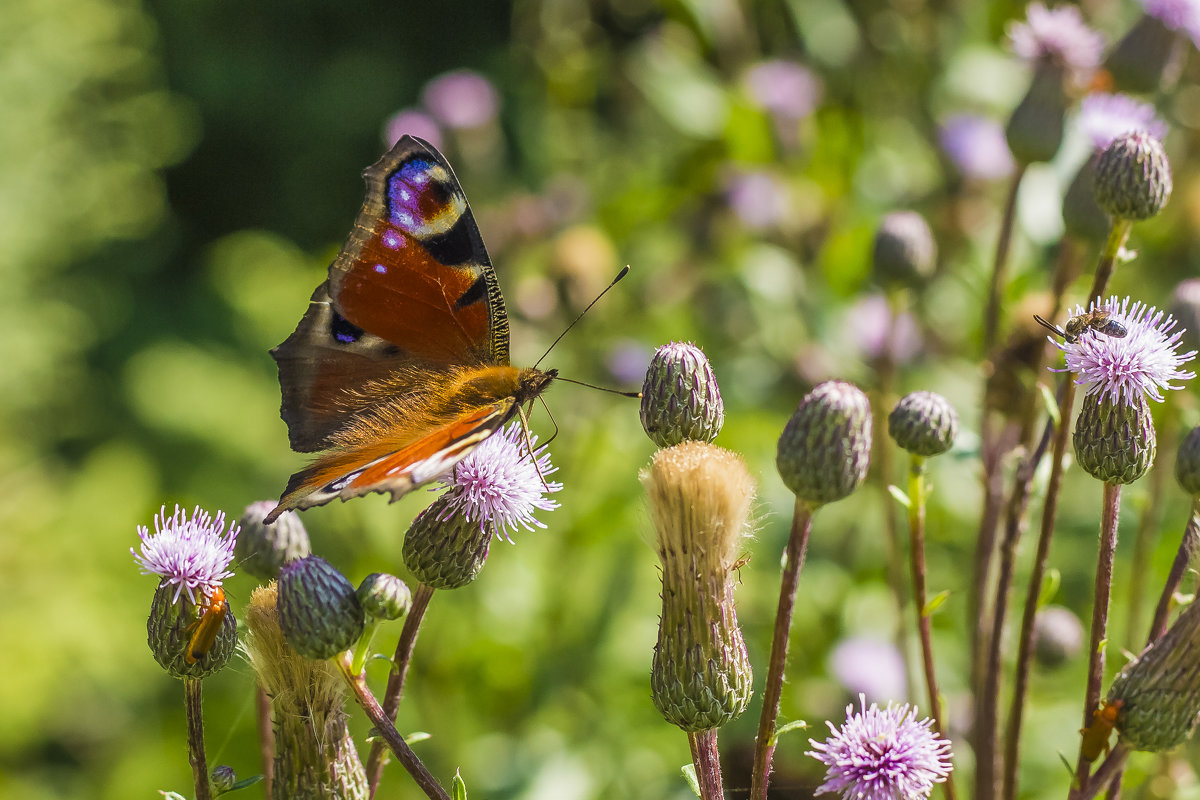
[{"x": 1098, "y": 320}]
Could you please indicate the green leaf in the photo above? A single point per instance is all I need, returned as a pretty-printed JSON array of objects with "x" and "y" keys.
[
  {"x": 935, "y": 602},
  {"x": 417, "y": 736},
  {"x": 242, "y": 784},
  {"x": 458, "y": 789},
  {"x": 1049, "y": 402},
  {"x": 900, "y": 496},
  {"x": 791, "y": 726},
  {"x": 172, "y": 795},
  {"x": 689, "y": 775},
  {"x": 1050, "y": 583}
]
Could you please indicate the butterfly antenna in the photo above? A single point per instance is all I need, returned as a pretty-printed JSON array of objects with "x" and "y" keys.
[
  {"x": 601, "y": 388},
  {"x": 624, "y": 271},
  {"x": 1050, "y": 326},
  {"x": 529, "y": 448}
]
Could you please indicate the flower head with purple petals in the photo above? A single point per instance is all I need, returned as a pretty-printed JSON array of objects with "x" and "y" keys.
[
  {"x": 461, "y": 99},
  {"x": 784, "y": 88},
  {"x": 1058, "y": 35},
  {"x": 1178, "y": 15},
  {"x": 1104, "y": 117},
  {"x": 977, "y": 146},
  {"x": 499, "y": 483},
  {"x": 882, "y": 755},
  {"x": 1144, "y": 360},
  {"x": 193, "y": 554}
]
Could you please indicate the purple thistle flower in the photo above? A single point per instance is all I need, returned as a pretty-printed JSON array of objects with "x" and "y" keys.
[
  {"x": 868, "y": 666},
  {"x": 1178, "y": 15},
  {"x": 461, "y": 99},
  {"x": 977, "y": 146},
  {"x": 193, "y": 554},
  {"x": 784, "y": 88},
  {"x": 1144, "y": 360},
  {"x": 759, "y": 199},
  {"x": 414, "y": 123},
  {"x": 1059, "y": 35},
  {"x": 1104, "y": 117},
  {"x": 882, "y": 755},
  {"x": 498, "y": 483}
]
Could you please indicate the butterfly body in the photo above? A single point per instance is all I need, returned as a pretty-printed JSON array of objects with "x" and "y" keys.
[{"x": 400, "y": 366}]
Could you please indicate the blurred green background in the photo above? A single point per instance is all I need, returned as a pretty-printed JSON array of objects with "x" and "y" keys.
[{"x": 174, "y": 180}]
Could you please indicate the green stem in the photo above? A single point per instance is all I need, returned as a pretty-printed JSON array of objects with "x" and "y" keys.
[
  {"x": 991, "y": 315},
  {"x": 1188, "y": 548},
  {"x": 1117, "y": 236},
  {"x": 764, "y": 744},
  {"x": 193, "y": 708},
  {"x": 707, "y": 761}
]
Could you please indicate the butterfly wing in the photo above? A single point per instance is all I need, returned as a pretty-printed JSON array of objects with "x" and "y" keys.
[{"x": 412, "y": 295}]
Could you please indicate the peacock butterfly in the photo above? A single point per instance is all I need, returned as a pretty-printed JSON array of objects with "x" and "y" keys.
[{"x": 399, "y": 368}]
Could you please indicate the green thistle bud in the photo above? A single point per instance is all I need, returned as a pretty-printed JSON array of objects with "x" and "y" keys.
[
  {"x": 1035, "y": 130},
  {"x": 1115, "y": 442},
  {"x": 261, "y": 549},
  {"x": 318, "y": 609},
  {"x": 1133, "y": 177},
  {"x": 315, "y": 755},
  {"x": 1057, "y": 636},
  {"x": 1159, "y": 691},
  {"x": 680, "y": 398},
  {"x": 221, "y": 779},
  {"x": 1083, "y": 218},
  {"x": 924, "y": 424},
  {"x": 700, "y": 498},
  {"x": 905, "y": 252},
  {"x": 384, "y": 596},
  {"x": 1139, "y": 61},
  {"x": 825, "y": 449},
  {"x": 446, "y": 553},
  {"x": 172, "y": 624},
  {"x": 1187, "y": 463}
]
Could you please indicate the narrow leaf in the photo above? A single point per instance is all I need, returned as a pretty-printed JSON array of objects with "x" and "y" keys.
[
  {"x": 935, "y": 602},
  {"x": 1049, "y": 401},
  {"x": 1050, "y": 583},
  {"x": 791, "y": 726},
  {"x": 689, "y": 775},
  {"x": 900, "y": 496},
  {"x": 458, "y": 788}
]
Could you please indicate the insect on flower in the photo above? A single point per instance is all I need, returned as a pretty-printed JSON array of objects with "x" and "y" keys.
[
  {"x": 1095, "y": 736},
  {"x": 205, "y": 629},
  {"x": 1098, "y": 320}
]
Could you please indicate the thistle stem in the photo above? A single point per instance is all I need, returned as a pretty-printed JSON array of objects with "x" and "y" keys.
[
  {"x": 1187, "y": 550},
  {"x": 1117, "y": 236},
  {"x": 193, "y": 707},
  {"x": 707, "y": 761},
  {"x": 1113, "y": 766},
  {"x": 1111, "y": 507},
  {"x": 1143, "y": 545},
  {"x": 991, "y": 316},
  {"x": 387, "y": 731},
  {"x": 764, "y": 744},
  {"x": 377, "y": 758},
  {"x": 916, "y": 527},
  {"x": 266, "y": 738}
]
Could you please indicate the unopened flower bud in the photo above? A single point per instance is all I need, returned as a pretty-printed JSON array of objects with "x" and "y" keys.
[
  {"x": 261, "y": 549},
  {"x": 384, "y": 596},
  {"x": 173, "y": 623},
  {"x": 445, "y": 550},
  {"x": 905, "y": 253},
  {"x": 924, "y": 424},
  {"x": 318, "y": 610},
  {"x": 1187, "y": 463},
  {"x": 680, "y": 398},
  {"x": 1035, "y": 130},
  {"x": 1115, "y": 442},
  {"x": 1133, "y": 177},
  {"x": 221, "y": 779},
  {"x": 1159, "y": 691},
  {"x": 825, "y": 449},
  {"x": 1139, "y": 61},
  {"x": 700, "y": 498},
  {"x": 1083, "y": 218},
  {"x": 1057, "y": 636}
]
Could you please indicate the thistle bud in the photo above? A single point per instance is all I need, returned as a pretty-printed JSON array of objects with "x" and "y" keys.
[
  {"x": 172, "y": 624},
  {"x": 1057, "y": 636},
  {"x": 1187, "y": 463},
  {"x": 1133, "y": 177},
  {"x": 1139, "y": 61},
  {"x": 384, "y": 596},
  {"x": 680, "y": 398},
  {"x": 444, "y": 549},
  {"x": 825, "y": 449},
  {"x": 221, "y": 779},
  {"x": 314, "y": 753},
  {"x": 905, "y": 253},
  {"x": 318, "y": 609},
  {"x": 700, "y": 498},
  {"x": 1035, "y": 129},
  {"x": 1115, "y": 442},
  {"x": 1083, "y": 218},
  {"x": 262, "y": 549},
  {"x": 1159, "y": 691},
  {"x": 924, "y": 424}
]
